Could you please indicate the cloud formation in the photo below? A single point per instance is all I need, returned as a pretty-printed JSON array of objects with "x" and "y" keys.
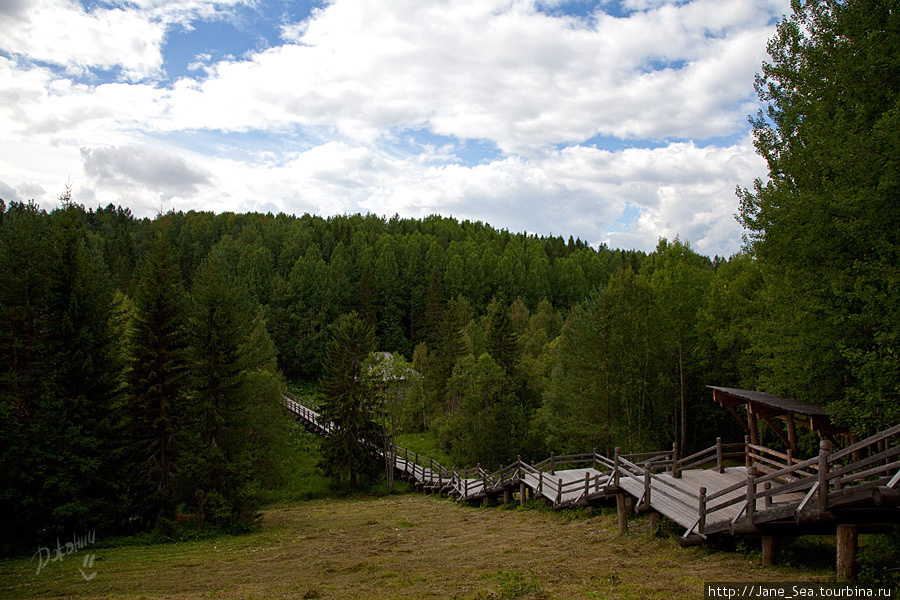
[
  {"x": 149, "y": 168},
  {"x": 620, "y": 123}
]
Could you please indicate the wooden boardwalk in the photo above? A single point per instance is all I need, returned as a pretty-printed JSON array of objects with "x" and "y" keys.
[{"x": 772, "y": 493}]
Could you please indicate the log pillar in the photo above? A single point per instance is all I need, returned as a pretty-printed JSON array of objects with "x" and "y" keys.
[
  {"x": 507, "y": 496},
  {"x": 846, "y": 552},
  {"x": 792, "y": 435},
  {"x": 622, "y": 512},
  {"x": 523, "y": 492},
  {"x": 720, "y": 456},
  {"x": 654, "y": 523},
  {"x": 768, "y": 550}
]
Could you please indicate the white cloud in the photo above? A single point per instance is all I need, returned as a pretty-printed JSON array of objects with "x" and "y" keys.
[
  {"x": 64, "y": 33},
  {"x": 358, "y": 74},
  {"x": 497, "y": 70},
  {"x": 123, "y": 34},
  {"x": 679, "y": 189}
]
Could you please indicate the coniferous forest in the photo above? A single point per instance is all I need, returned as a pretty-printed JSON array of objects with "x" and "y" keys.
[{"x": 143, "y": 360}]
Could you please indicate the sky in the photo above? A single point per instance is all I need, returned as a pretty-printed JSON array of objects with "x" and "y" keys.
[{"x": 616, "y": 121}]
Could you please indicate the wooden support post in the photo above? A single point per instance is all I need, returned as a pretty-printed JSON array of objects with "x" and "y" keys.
[
  {"x": 824, "y": 451},
  {"x": 646, "y": 499},
  {"x": 768, "y": 550},
  {"x": 674, "y": 466},
  {"x": 846, "y": 551},
  {"x": 559, "y": 484},
  {"x": 747, "y": 451},
  {"x": 552, "y": 464},
  {"x": 540, "y": 482},
  {"x": 720, "y": 456},
  {"x": 792, "y": 435},
  {"x": 751, "y": 422},
  {"x": 616, "y": 468},
  {"x": 751, "y": 493},
  {"x": 485, "y": 502},
  {"x": 587, "y": 485},
  {"x": 654, "y": 522},
  {"x": 767, "y": 501},
  {"x": 622, "y": 513},
  {"x": 523, "y": 492},
  {"x": 507, "y": 496},
  {"x": 702, "y": 511}
]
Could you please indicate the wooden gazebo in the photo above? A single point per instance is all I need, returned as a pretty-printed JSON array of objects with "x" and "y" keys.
[{"x": 768, "y": 407}]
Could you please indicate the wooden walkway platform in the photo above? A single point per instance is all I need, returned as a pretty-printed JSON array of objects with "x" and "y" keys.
[{"x": 771, "y": 493}]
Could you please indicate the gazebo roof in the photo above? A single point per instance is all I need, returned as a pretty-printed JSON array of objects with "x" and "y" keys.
[
  {"x": 770, "y": 407},
  {"x": 777, "y": 403}
]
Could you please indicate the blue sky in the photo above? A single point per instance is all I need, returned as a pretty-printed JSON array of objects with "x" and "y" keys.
[{"x": 617, "y": 121}]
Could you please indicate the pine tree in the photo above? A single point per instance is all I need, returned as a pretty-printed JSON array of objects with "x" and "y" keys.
[
  {"x": 232, "y": 361},
  {"x": 158, "y": 382},
  {"x": 351, "y": 447}
]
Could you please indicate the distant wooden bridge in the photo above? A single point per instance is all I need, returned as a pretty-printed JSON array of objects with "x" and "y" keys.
[{"x": 770, "y": 493}]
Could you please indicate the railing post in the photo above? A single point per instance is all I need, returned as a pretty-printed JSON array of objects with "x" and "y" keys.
[
  {"x": 751, "y": 493},
  {"x": 552, "y": 463},
  {"x": 587, "y": 485},
  {"x": 720, "y": 456},
  {"x": 824, "y": 451},
  {"x": 616, "y": 468},
  {"x": 540, "y": 482},
  {"x": 767, "y": 502},
  {"x": 702, "y": 523},
  {"x": 594, "y": 460},
  {"x": 646, "y": 485},
  {"x": 518, "y": 466},
  {"x": 675, "y": 460},
  {"x": 747, "y": 451},
  {"x": 559, "y": 485}
]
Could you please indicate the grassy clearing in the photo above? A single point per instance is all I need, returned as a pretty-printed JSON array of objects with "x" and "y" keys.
[
  {"x": 426, "y": 443},
  {"x": 408, "y": 546},
  {"x": 301, "y": 478}
]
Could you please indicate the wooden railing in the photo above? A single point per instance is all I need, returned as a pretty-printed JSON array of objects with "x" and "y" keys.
[
  {"x": 867, "y": 471},
  {"x": 830, "y": 480}
]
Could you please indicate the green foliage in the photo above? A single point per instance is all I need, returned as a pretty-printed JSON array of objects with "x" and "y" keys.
[
  {"x": 234, "y": 401},
  {"x": 824, "y": 227},
  {"x": 350, "y": 448},
  {"x": 158, "y": 383}
]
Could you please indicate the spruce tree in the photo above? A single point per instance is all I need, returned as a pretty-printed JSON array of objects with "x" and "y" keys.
[
  {"x": 351, "y": 447},
  {"x": 158, "y": 382}
]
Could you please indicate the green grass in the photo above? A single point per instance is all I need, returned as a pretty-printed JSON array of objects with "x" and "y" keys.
[
  {"x": 399, "y": 546},
  {"x": 426, "y": 444},
  {"x": 301, "y": 477}
]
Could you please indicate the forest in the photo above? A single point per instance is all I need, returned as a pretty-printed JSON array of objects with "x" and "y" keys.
[{"x": 143, "y": 360}]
